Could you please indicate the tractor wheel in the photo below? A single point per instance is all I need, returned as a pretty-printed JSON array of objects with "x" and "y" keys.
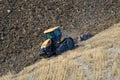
[
  {"x": 70, "y": 43},
  {"x": 65, "y": 45}
]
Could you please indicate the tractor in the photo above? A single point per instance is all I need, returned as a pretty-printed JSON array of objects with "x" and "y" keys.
[{"x": 54, "y": 43}]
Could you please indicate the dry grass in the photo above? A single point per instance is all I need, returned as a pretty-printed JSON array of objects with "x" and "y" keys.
[{"x": 99, "y": 59}]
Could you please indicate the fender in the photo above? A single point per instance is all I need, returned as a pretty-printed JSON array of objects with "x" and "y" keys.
[{"x": 46, "y": 43}]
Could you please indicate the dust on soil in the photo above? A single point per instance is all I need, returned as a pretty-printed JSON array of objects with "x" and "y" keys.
[{"x": 22, "y": 24}]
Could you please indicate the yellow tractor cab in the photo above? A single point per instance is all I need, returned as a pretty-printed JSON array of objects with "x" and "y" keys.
[
  {"x": 53, "y": 34},
  {"x": 54, "y": 44}
]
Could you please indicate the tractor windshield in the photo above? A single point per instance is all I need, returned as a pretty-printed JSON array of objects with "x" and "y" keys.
[
  {"x": 49, "y": 35},
  {"x": 55, "y": 35},
  {"x": 58, "y": 35}
]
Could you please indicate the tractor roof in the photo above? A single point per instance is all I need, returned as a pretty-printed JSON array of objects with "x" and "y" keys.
[{"x": 50, "y": 30}]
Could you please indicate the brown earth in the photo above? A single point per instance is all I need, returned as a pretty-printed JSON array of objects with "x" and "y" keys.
[{"x": 22, "y": 23}]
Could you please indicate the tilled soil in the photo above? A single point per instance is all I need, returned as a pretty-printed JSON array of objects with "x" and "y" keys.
[{"x": 22, "y": 23}]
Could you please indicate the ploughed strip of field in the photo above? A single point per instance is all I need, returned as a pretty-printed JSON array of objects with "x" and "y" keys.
[
  {"x": 22, "y": 23},
  {"x": 95, "y": 59}
]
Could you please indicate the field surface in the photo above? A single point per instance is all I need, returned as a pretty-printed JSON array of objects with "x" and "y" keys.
[
  {"x": 22, "y": 23},
  {"x": 95, "y": 59}
]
